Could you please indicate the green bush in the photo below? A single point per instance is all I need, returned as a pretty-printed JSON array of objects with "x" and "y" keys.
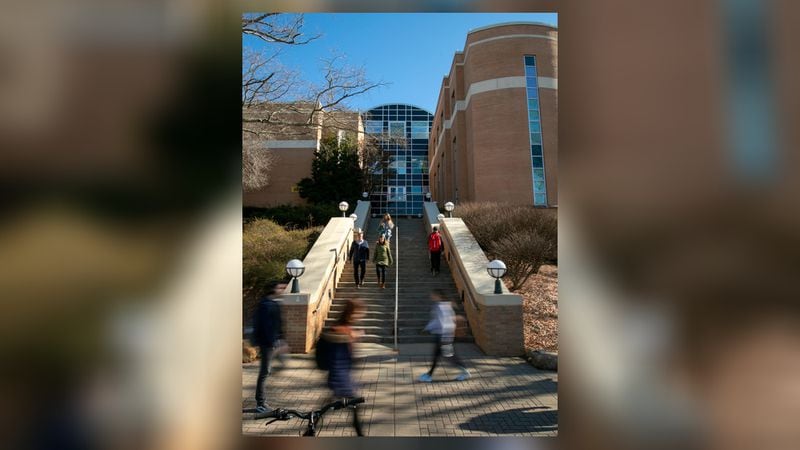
[
  {"x": 522, "y": 236},
  {"x": 294, "y": 216},
  {"x": 266, "y": 247}
]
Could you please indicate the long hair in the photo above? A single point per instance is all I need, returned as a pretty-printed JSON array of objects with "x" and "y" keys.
[{"x": 350, "y": 309}]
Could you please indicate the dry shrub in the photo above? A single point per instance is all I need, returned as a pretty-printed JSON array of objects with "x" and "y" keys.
[
  {"x": 523, "y": 254},
  {"x": 266, "y": 248},
  {"x": 522, "y": 236}
]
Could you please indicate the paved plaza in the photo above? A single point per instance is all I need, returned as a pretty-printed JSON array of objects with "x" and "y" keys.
[{"x": 505, "y": 396}]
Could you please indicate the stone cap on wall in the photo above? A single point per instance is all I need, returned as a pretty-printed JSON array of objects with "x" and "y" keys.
[
  {"x": 472, "y": 261},
  {"x": 362, "y": 211},
  {"x": 468, "y": 258},
  {"x": 320, "y": 261}
]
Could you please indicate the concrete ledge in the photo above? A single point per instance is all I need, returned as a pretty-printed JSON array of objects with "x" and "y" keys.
[
  {"x": 305, "y": 312},
  {"x": 495, "y": 319},
  {"x": 362, "y": 211},
  {"x": 431, "y": 214}
]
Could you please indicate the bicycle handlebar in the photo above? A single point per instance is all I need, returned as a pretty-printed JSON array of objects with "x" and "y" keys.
[{"x": 286, "y": 414}]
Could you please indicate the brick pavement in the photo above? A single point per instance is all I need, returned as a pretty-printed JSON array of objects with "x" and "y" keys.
[{"x": 505, "y": 396}]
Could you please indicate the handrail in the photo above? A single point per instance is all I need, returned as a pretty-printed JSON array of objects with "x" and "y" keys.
[{"x": 396, "y": 278}]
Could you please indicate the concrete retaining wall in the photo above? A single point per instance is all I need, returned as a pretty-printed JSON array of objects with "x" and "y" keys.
[
  {"x": 495, "y": 319},
  {"x": 305, "y": 312}
]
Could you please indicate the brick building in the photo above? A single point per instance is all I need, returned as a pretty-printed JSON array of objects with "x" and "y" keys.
[
  {"x": 495, "y": 130},
  {"x": 293, "y": 146}
]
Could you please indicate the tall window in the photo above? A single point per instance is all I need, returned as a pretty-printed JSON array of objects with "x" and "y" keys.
[
  {"x": 535, "y": 130},
  {"x": 399, "y": 189}
]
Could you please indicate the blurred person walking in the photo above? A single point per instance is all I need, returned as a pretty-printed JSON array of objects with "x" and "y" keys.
[
  {"x": 385, "y": 227},
  {"x": 268, "y": 337},
  {"x": 359, "y": 255},
  {"x": 443, "y": 326},
  {"x": 382, "y": 259},
  {"x": 435, "y": 247},
  {"x": 335, "y": 354}
]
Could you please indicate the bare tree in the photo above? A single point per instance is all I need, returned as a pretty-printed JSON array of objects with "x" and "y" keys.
[
  {"x": 257, "y": 161},
  {"x": 276, "y": 101}
]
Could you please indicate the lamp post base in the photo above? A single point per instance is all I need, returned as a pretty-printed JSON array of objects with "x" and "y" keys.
[
  {"x": 295, "y": 286},
  {"x": 498, "y": 289}
]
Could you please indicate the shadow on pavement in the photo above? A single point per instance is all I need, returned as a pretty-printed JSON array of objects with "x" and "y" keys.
[{"x": 514, "y": 421}]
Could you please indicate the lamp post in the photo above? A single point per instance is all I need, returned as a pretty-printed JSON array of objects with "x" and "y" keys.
[
  {"x": 496, "y": 269},
  {"x": 440, "y": 217},
  {"x": 343, "y": 207},
  {"x": 354, "y": 217},
  {"x": 449, "y": 207},
  {"x": 427, "y": 196},
  {"x": 295, "y": 269},
  {"x": 365, "y": 194}
]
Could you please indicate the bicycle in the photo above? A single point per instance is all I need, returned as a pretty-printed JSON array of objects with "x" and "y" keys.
[{"x": 314, "y": 418}]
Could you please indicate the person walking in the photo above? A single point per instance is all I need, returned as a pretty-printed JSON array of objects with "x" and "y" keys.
[
  {"x": 435, "y": 247},
  {"x": 385, "y": 227},
  {"x": 443, "y": 326},
  {"x": 382, "y": 259},
  {"x": 267, "y": 335},
  {"x": 359, "y": 255},
  {"x": 336, "y": 343}
]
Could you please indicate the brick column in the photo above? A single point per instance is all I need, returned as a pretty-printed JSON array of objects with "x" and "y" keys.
[
  {"x": 501, "y": 330},
  {"x": 295, "y": 322}
]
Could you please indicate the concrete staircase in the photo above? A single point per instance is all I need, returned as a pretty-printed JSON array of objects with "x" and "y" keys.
[{"x": 415, "y": 285}]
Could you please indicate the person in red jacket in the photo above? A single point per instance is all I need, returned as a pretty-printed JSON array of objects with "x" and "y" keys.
[{"x": 435, "y": 247}]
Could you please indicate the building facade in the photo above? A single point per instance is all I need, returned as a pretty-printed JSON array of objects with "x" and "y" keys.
[
  {"x": 494, "y": 135},
  {"x": 401, "y": 179},
  {"x": 294, "y": 148}
]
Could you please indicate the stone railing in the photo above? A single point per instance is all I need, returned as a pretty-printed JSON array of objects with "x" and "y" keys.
[
  {"x": 495, "y": 319},
  {"x": 362, "y": 212},
  {"x": 304, "y": 313}
]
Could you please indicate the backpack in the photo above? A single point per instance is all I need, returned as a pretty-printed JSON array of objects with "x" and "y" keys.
[
  {"x": 321, "y": 354},
  {"x": 435, "y": 242}
]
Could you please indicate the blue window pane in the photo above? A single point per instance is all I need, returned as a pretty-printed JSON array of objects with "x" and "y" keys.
[
  {"x": 536, "y": 150},
  {"x": 536, "y": 138},
  {"x": 532, "y": 81},
  {"x": 530, "y": 60},
  {"x": 537, "y": 162},
  {"x": 540, "y": 199},
  {"x": 538, "y": 186},
  {"x": 538, "y": 175},
  {"x": 532, "y": 102},
  {"x": 533, "y": 114},
  {"x": 535, "y": 127},
  {"x": 530, "y": 71}
]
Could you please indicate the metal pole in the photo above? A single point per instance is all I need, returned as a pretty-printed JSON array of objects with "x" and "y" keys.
[{"x": 396, "y": 277}]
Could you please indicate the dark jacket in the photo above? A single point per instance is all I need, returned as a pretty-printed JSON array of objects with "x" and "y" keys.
[
  {"x": 339, "y": 356},
  {"x": 359, "y": 252},
  {"x": 267, "y": 326}
]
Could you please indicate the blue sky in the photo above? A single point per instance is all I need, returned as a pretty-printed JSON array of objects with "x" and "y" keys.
[{"x": 411, "y": 51}]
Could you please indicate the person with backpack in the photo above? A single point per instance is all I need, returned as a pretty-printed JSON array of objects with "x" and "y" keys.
[
  {"x": 359, "y": 255},
  {"x": 267, "y": 336},
  {"x": 443, "y": 326},
  {"x": 334, "y": 353},
  {"x": 382, "y": 259},
  {"x": 385, "y": 227},
  {"x": 435, "y": 247}
]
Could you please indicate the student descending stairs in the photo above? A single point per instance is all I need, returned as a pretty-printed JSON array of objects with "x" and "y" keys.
[{"x": 415, "y": 286}]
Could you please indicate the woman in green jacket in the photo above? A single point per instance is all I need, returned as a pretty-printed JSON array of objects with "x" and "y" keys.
[{"x": 382, "y": 259}]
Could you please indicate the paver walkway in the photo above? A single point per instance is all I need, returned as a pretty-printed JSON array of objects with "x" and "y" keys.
[{"x": 505, "y": 396}]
